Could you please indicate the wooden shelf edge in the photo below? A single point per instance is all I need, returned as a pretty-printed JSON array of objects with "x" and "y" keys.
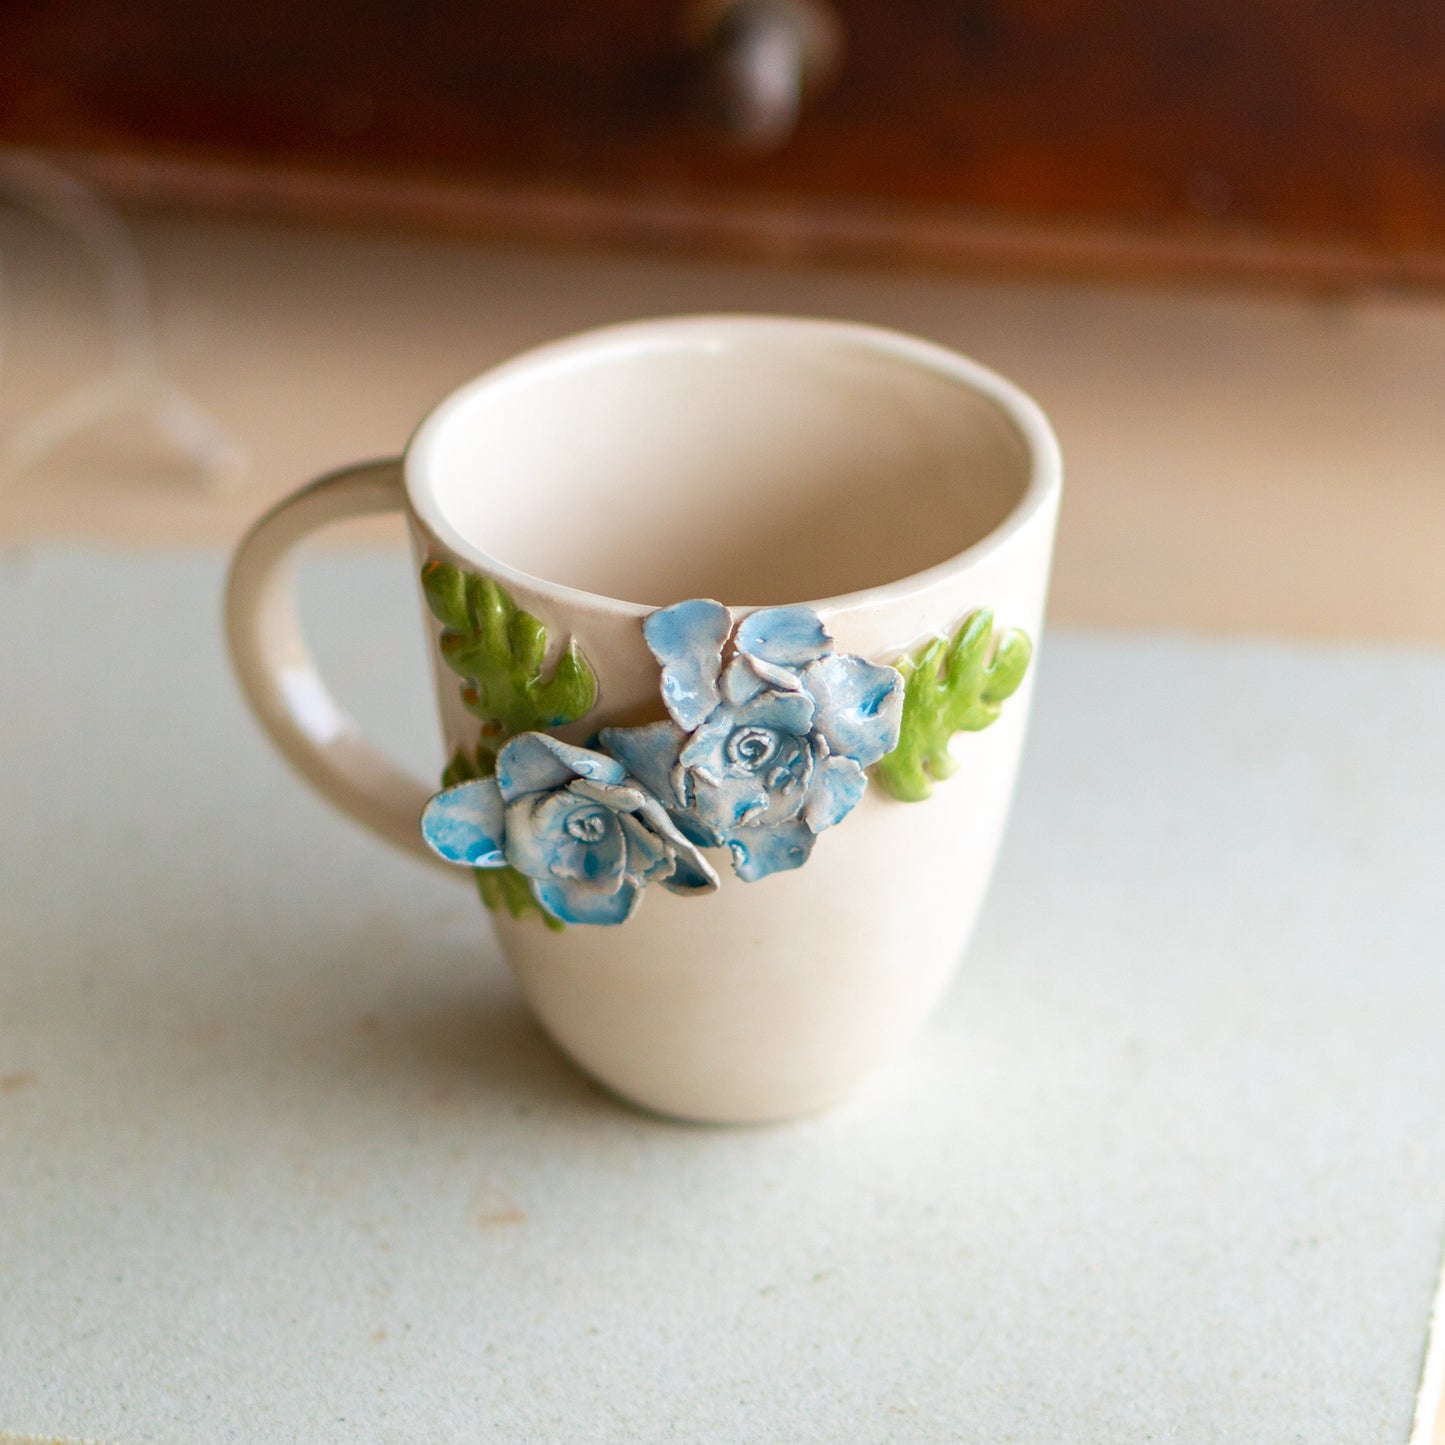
[{"x": 782, "y": 229}]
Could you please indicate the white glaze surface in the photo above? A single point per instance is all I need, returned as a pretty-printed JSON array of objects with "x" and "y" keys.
[{"x": 755, "y": 460}]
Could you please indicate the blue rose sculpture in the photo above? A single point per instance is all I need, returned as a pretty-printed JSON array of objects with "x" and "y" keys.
[
  {"x": 769, "y": 731},
  {"x": 572, "y": 821}
]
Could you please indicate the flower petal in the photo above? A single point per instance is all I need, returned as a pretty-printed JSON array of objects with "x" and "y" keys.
[
  {"x": 740, "y": 682},
  {"x": 650, "y": 754},
  {"x": 837, "y": 785},
  {"x": 726, "y": 806},
  {"x": 466, "y": 824},
  {"x": 787, "y": 782},
  {"x": 788, "y": 636},
  {"x": 647, "y": 854},
  {"x": 706, "y": 751},
  {"x": 687, "y": 639},
  {"x": 788, "y": 712},
  {"x": 688, "y": 876},
  {"x": 694, "y": 830},
  {"x": 860, "y": 706},
  {"x": 539, "y": 763},
  {"x": 540, "y": 845},
  {"x": 618, "y": 797},
  {"x": 770, "y": 849},
  {"x": 692, "y": 873},
  {"x": 574, "y": 904}
]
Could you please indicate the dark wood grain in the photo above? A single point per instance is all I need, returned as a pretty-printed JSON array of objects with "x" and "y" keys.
[{"x": 1298, "y": 139}]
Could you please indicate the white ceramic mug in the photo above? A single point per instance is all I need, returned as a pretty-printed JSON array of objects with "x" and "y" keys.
[{"x": 892, "y": 487}]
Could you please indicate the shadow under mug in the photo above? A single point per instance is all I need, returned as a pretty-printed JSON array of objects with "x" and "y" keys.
[{"x": 891, "y": 485}]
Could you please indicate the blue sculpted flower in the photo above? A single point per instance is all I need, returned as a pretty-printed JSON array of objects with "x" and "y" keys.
[
  {"x": 766, "y": 745},
  {"x": 572, "y": 821}
]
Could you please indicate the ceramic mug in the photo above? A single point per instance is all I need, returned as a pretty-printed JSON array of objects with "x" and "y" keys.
[{"x": 732, "y": 623}]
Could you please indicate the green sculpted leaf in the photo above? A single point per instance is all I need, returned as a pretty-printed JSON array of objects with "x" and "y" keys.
[
  {"x": 499, "y": 651},
  {"x": 571, "y": 690},
  {"x": 950, "y": 686},
  {"x": 446, "y": 594}
]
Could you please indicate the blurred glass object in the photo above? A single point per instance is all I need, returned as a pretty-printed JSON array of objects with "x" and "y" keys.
[{"x": 134, "y": 384}]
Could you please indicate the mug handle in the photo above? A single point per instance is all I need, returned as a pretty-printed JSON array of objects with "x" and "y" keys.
[{"x": 278, "y": 675}]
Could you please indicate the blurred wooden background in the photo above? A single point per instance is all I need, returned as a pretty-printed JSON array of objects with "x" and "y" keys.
[{"x": 1293, "y": 141}]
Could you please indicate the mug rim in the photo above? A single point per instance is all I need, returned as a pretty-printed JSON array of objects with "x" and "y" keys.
[{"x": 1019, "y": 409}]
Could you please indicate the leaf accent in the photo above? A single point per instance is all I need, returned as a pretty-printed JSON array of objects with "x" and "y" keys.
[
  {"x": 499, "y": 652},
  {"x": 950, "y": 686}
]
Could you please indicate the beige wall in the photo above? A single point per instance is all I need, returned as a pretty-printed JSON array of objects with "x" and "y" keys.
[{"x": 1235, "y": 462}]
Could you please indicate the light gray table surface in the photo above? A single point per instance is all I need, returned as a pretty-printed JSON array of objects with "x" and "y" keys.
[{"x": 283, "y": 1159}]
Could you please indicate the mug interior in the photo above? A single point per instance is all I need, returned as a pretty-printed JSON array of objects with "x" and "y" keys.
[{"x": 754, "y": 460}]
